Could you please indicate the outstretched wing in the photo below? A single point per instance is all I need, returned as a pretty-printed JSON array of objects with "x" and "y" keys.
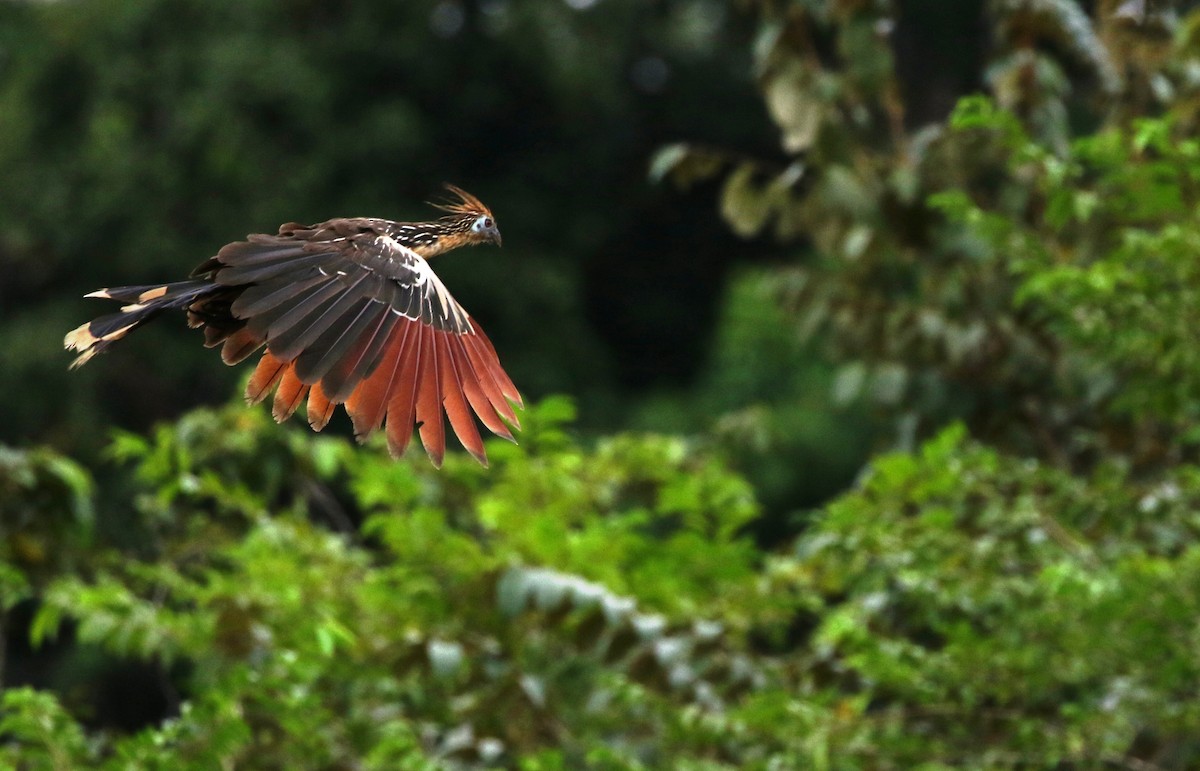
[{"x": 351, "y": 316}]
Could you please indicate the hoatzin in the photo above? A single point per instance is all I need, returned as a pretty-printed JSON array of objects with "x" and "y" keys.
[{"x": 349, "y": 312}]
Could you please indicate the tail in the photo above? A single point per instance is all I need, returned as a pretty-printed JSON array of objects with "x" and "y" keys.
[{"x": 141, "y": 304}]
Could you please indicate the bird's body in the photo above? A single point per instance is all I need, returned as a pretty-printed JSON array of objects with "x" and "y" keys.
[{"x": 349, "y": 312}]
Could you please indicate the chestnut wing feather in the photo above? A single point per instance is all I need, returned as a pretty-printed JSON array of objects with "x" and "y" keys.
[{"x": 350, "y": 316}]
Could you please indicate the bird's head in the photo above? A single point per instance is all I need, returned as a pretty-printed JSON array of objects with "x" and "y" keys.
[{"x": 469, "y": 221}]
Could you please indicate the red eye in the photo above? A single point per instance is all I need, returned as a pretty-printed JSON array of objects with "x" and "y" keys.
[{"x": 487, "y": 222}]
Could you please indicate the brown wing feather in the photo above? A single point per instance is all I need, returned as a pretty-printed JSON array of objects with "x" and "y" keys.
[
  {"x": 294, "y": 331},
  {"x": 432, "y": 427},
  {"x": 319, "y": 409},
  {"x": 402, "y": 405},
  {"x": 239, "y": 345},
  {"x": 266, "y": 376},
  {"x": 484, "y": 374},
  {"x": 493, "y": 360},
  {"x": 368, "y": 402},
  {"x": 288, "y": 396},
  {"x": 455, "y": 401},
  {"x": 362, "y": 358},
  {"x": 473, "y": 390},
  {"x": 258, "y": 299}
]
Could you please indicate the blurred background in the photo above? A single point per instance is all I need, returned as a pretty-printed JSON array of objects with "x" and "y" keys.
[
  {"x": 137, "y": 138},
  {"x": 858, "y": 339}
]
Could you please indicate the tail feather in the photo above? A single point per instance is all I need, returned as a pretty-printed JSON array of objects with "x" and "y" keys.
[
  {"x": 142, "y": 304},
  {"x": 132, "y": 294}
]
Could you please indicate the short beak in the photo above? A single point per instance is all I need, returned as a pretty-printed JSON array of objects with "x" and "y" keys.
[{"x": 496, "y": 237}]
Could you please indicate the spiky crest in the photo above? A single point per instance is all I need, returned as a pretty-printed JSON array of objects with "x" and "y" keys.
[{"x": 466, "y": 203}]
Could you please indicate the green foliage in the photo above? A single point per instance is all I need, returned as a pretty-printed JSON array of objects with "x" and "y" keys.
[
  {"x": 46, "y": 516},
  {"x": 555, "y": 601},
  {"x": 1027, "y": 268},
  {"x": 1000, "y": 269},
  {"x": 1107, "y": 268},
  {"x": 962, "y": 594},
  {"x": 1016, "y": 586},
  {"x": 39, "y": 733},
  {"x": 597, "y": 607}
]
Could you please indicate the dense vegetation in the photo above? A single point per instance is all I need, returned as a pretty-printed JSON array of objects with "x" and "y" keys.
[{"x": 1002, "y": 300}]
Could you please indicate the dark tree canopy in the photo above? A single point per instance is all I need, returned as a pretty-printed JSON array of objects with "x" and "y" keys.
[{"x": 859, "y": 351}]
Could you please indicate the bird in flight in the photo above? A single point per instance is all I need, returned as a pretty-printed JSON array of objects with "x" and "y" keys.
[{"x": 348, "y": 312}]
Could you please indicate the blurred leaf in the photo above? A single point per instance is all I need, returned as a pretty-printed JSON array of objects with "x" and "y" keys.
[
  {"x": 743, "y": 204},
  {"x": 849, "y": 382},
  {"x": 794, "y": 107},
  {"x": 685, "y": 164}
]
